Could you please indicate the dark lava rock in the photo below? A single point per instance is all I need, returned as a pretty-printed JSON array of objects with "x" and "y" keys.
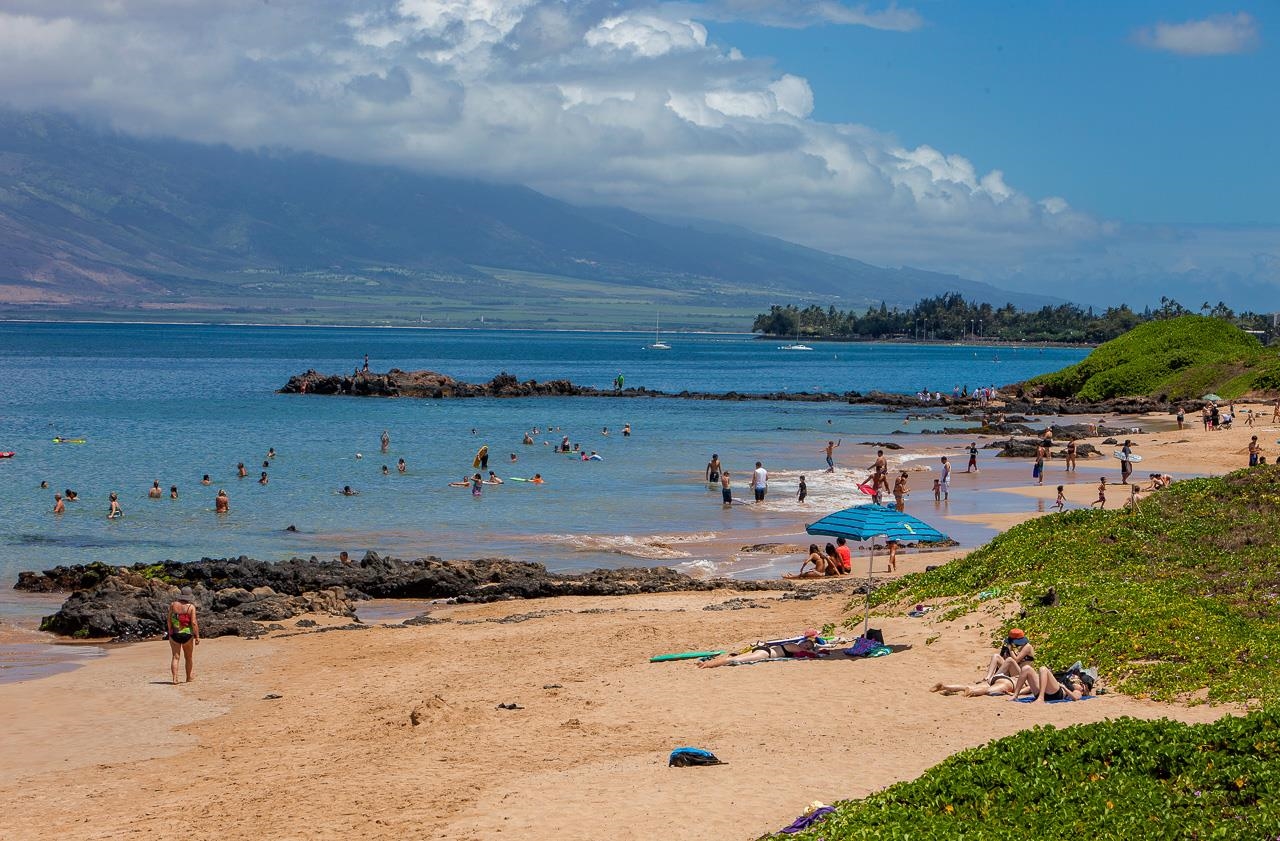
[
  {"x": 888, "y": 445},
  {"x": 235, "y": 594},
  {"x": 127, "y": 606}
]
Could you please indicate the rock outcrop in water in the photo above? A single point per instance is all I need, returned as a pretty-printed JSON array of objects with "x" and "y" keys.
[
  {"x": 434, "y": 385},
  {"x": 236, "y": 593}
]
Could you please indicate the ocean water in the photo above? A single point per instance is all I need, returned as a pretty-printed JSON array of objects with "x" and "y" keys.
[{"x": 172, "y": 403}]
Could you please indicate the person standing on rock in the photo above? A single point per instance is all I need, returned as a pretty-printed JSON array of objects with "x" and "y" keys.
[{"x": 183, "y": 631}]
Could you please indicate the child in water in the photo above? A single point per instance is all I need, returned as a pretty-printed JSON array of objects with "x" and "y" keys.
[
  {"x": 803, "y": 492},
  {"x": 937, "y": 489},
  {"x": 1061, "y": 502}
]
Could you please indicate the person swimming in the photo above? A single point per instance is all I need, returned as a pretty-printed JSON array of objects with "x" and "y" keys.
[
  {"x": 347, "y": 491},
  {"x": 493, "y": 479}
]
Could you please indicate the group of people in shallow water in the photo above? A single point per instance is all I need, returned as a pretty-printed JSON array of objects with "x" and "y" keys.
[
  {"x": 1013, "y": 671},
  {"x": 222, "y": 501}
]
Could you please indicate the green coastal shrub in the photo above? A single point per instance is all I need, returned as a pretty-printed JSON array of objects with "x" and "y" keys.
[
  {"x": 1178, "y": 358},
  {"x": 1178, "y": 599},
  {"x": 1123, "y": 779}
]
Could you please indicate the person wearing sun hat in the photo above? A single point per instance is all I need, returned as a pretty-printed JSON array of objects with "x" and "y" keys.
[
  {"x": 1016, "y": 652},
  {"x": 183, "y": 631}
]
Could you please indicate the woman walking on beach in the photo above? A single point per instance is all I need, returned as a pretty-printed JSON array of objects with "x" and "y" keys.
[
  {"x": 1071, "y": 456},
  {"x": 184, "y": 632}
]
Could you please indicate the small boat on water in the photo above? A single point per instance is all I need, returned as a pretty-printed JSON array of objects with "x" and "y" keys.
[
  {"x": 658, "y": 344},
  {"x": 796, "y": 346}
]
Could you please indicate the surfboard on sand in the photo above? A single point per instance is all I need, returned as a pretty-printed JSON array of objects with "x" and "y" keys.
[
  {"x": 1133, "y": 458},
  {"x": 683, "y": 655}
]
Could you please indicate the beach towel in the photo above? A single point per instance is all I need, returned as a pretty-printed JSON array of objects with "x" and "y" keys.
[
  {"x": 805, "y": 821},
  {"x": 862, "y": 647}
]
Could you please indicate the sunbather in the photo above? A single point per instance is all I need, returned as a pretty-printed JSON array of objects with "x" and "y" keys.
[
  {"x": 1071, "y": 685},
  {"x": 997, "y": 685},
  {"x": 768, "y": 651},
  {"x": 1016, "y": 652}
]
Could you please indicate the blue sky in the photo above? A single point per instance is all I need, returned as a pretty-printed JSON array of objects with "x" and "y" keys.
[
  {"x": 1063, "y": 98},
  {"x": 1100, "y": 151}
]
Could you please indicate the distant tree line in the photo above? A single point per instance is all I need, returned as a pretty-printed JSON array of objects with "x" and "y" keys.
[{"x": 951, "y": 318}]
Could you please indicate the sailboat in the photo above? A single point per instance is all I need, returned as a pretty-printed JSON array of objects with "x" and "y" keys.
[
  {"x": 658, "y": 344},
  {"x": 796, "y": 345}
]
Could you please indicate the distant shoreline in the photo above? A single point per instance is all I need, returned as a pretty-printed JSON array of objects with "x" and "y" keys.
[{"x": 984, "y": 342}]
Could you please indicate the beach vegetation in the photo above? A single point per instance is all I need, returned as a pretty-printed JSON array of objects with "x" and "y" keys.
[
  {"x": 951, "y": 318},
  {"x": 1125, "y": 778},
  {"x": 1176, "y": 599},
  {"x": 1175, "y": 359}
]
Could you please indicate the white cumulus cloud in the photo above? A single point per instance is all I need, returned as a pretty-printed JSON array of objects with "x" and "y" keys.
[
  {"x": 625, "y": 102},
  {"x": 1216, "y": 35}
]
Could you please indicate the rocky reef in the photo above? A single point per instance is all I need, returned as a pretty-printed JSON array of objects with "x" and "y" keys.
[
  {"x": 434, "y": 385},
  {"x": 235, "y": 595}
]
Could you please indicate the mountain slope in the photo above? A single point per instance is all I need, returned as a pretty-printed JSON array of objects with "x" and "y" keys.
[{"x": 95, "y": 219}]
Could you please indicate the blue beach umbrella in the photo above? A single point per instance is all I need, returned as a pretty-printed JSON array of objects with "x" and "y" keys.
[{"x": 864, "y": 522}]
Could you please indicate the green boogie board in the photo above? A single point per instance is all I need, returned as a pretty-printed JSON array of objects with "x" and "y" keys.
[{"x": 683, "y": 655}]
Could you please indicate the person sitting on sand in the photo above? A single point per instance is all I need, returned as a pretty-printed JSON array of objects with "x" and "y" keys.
[
  {"x": 822, "y": 566},
  {"x": 834, "y": 565},
  {"x": 1016, "y": 652},
  {"x": 994, "y": 686},
  {"x": 1046, "y": 686},
  {"x": 768, "y": 651}
]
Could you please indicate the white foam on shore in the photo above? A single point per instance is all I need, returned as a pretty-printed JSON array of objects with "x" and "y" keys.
[{"x": 655, "y": 547}]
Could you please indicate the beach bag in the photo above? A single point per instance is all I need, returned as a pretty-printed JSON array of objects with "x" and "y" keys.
[
  {"x": 875, "y": 634},
  {"x": 687, "y": 757}
]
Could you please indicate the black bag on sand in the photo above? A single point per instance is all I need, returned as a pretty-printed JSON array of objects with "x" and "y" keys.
[
  {"x": 874, "y": 634},
  {"x": 687, "y": 757}
]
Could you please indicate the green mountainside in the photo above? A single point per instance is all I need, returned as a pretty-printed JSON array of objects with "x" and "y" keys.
[
  {"x": 1174, "y": 359},
  {"x": 93, "y": 222}
]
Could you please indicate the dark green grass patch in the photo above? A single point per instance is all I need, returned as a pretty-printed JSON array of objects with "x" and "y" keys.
[{"x": 1122, "y": 779}]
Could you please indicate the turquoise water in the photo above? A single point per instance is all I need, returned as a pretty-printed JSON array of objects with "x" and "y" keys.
[{"x": 171, "y": 403}]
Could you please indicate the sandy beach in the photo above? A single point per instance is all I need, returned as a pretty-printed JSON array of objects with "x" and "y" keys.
[{"x": 395, "y": 731}]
